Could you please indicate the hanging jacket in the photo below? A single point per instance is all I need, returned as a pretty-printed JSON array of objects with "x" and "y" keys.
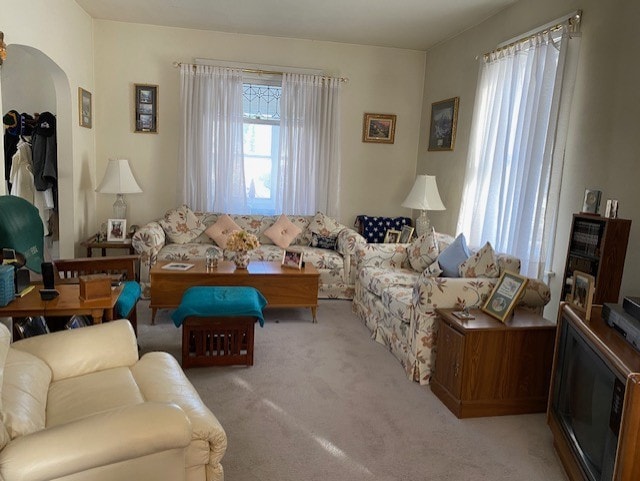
[{"x": 45, "y": 156}]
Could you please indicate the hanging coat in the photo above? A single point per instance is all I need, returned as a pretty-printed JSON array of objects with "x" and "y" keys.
[{"x": 45, "y": 154}]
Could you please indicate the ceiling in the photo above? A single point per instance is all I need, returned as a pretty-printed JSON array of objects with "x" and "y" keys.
[{"x": 411, "y": 24}]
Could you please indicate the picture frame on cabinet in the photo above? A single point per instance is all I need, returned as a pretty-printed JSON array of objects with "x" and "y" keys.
[
  {"x": 505, "y": 295},
  {"x": 582, "y": 291}
]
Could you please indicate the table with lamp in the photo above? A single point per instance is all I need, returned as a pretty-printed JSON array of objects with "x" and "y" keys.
[
  {"x": 119, "y": 180},
  {"x": 424, "y": 196}
]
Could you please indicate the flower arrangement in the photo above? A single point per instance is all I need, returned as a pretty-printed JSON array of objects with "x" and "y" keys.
[{"x": 242, "y": 241}]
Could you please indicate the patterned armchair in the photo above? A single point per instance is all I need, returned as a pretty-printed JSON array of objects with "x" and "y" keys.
[{"x": 398, "y": 303}]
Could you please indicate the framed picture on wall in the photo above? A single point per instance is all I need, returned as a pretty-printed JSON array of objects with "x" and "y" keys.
[
  {"x": 444, "y": 119},
  {"x": 84, "y": 108},
  {"x": 146, "y": 108},
  {"x": 379, "y": 128}
]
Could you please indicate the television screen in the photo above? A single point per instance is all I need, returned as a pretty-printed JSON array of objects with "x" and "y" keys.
[{"x": 585, "y": 392}]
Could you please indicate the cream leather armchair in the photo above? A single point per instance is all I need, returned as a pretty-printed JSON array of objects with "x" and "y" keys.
[{"x": 80, "y": 405}]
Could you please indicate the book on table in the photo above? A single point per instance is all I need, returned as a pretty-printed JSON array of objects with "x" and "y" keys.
[{"x": 178, "y": 266}]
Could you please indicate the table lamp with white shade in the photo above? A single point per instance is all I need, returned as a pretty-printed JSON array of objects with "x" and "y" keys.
[
  {"x": 424, "y": 196},
  {"x": 118, "y": 179}
]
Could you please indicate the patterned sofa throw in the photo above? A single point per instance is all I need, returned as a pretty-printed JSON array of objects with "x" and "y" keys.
[{"x": 374, "y": 228}]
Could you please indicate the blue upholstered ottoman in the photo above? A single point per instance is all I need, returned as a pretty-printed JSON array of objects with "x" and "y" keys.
[{"x": 218, "y": 325}]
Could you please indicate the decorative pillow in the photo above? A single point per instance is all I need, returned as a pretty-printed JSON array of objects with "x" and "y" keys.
[
  {"x": 325, "y": 225},
  {"x": 481, "y": 264},
  {"x": 221, "y": 230},
  {"x": 454, "y": 255},
  {"x": 323, "y": 242},
  {"x": 181, "y": 225},
  {"x": 282, "y": 232},
  {"x": 423, "y": 251},
  {"x": 433, "y": 270}
]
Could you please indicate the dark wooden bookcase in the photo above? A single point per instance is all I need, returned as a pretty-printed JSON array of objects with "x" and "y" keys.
[{"x": 597, "y": 246}]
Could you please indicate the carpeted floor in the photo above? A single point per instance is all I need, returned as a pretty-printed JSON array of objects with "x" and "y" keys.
[{"x": 325, "y": 402}]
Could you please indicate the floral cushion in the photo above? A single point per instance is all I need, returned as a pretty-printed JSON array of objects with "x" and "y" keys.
[
  {"x": 433, "y": 270},
  {"x": 454, "y": 255},
  {"x": 325, "y": 225},
  {"x": 376, "y": 279},
  {"x": 481, "y": 264},
  {"x": 323, "y": 242},
  {"x": 282, "y": 232},
  {"x": 423, "y": 251},
  {"x": 221, "y": 230},
  {"x": 181, "y": 225}
]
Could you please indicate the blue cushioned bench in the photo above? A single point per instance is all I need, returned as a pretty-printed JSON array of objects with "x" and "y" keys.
[{"x": 218, "y": 325}]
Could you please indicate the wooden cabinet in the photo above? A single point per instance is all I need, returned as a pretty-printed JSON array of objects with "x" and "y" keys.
[
  {"x": 597, "y": 246},
  {"x": 487, "y": 368}
]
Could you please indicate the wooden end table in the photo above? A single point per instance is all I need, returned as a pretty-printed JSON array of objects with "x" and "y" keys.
[
  {"x": 92, "y": 243},
  {"x": 487, "y": 368}
]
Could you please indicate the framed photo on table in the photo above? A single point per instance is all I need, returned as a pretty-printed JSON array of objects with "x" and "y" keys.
[
  {"x": 116, "y": 230},
  {"x": 582, "y": 292},
  {"x": 505, "y": 295},
  {"x": 291, "y": 258},
  {"x": 146, "y": 109},
  {"x": 406, "y": 234},
  {"x": 392, "y": 236}
]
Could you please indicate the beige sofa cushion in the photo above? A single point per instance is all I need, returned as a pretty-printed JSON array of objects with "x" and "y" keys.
[
  {"x": 423, "y": 251},
  {"x": 282, "y": 232},
  {"x": 483, "y": 263},
  {"x": 181, "y": 225},
  {"x": 221, "y": 230},
  {"x": 24, "y": 393},
  {"x": 325, "y": 226}
]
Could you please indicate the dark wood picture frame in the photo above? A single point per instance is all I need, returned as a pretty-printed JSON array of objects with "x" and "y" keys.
[
  {"x": 444, "y": 121},
  {"x": 146, "y": 108}
]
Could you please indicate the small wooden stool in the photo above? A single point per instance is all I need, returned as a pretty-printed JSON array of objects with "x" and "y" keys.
[{"x": 217, "y": 341}]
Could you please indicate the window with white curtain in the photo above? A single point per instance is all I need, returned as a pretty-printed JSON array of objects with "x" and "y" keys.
[
  {"x": 259, "y": 147},
  {"x": 512, "y": 153}
]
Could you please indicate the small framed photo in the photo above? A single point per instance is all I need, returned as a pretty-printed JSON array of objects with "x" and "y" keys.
[
  {"x": 379, "y": 128},
  {"x": 291, "y": 258},
  {"x": 444, "y": 119},
  {"x": 116, "y": 230},
  {"x": 84, "y": 108},
  {"x": 406, "y": 234},
  {"x": 505, "y": 295},
  {"x": 392, "y": 236},
  {"x": 582, "y": 290},
  {"x": 146, "y": 108}
]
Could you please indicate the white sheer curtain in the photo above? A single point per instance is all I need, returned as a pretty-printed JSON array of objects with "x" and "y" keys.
[
  {"x": 309, "y": 145},
  {"x": 211, "y": 172},
  {"x": 506, "y": 189}
]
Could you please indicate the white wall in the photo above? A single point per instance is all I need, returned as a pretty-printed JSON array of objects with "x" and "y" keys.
[
  {"x": 375, "y": 177},
  {"x": 603, "y": 144},
  {"x": 58, "y": 34}
]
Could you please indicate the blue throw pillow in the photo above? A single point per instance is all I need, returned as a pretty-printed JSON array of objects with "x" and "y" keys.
[{"x": 454, "y": 255}]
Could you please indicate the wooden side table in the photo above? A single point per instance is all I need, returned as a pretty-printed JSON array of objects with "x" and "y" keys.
[
  {"x": 92, "y": 243},
  {"x": 487, "y": 368}
]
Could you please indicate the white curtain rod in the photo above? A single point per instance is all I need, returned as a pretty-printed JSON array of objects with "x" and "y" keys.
[
  {"x": 572, "y": 21},
  {"x": 262, "y": 72}
]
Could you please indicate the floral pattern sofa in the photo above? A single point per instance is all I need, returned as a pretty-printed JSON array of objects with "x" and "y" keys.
[
  {"x": 153, "y": 242},
  {"x": 398, "y": 303}
]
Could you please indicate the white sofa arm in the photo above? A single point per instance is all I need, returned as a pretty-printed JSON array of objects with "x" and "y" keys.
[
  {"x": 389, "y": 256},
  {"x": 149, "y": 239},
  {"x": 81, "y": 351},
  {"x": 349, "y": 241},
  {"x": 106, "y": 438}
]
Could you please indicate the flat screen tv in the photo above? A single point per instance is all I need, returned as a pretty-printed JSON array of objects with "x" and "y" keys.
[{"x": 587, "y": 401}]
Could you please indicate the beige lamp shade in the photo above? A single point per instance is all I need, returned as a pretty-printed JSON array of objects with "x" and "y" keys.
[
  {"x": 118, "y": 179},
  {"x": 424, "y": 194}
]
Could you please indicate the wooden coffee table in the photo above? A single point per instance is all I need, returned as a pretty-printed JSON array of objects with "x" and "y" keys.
[{"x": 281, "y": 286}]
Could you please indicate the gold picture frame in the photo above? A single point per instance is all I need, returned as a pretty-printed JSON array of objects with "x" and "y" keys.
[
  {"x": 444, "y": 121},
  {"x": 582, "y": 290},
  {"x": 505, "y": 295},
  {"x": 392, "y": 236},
  {"x": 146, "y": 109},
  {"x": 405, "y": 234},
  {"x": 379, "y": 128},
  {"x": 85, "y": 110}
]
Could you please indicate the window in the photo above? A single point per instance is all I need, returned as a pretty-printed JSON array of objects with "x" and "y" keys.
[{"x": 261, "y": 144}]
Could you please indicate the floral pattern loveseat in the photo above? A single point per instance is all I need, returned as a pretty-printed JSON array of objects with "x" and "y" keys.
[
  {"x": 336, "y": 266},
  {"x": 398, "y": 303}
]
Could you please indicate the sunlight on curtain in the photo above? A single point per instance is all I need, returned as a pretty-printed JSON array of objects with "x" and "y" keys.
[
  {"x": 506, "y": 189},
  {"x": 309, "y": 171},
  {"x": 211, "y": 167}
]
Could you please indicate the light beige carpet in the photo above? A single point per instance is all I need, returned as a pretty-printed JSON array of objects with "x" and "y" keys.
[{"x": 325, "y": 402}]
